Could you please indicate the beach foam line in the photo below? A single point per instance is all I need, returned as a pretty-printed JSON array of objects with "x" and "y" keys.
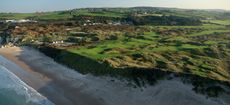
[{"x": 12, "y": 86}]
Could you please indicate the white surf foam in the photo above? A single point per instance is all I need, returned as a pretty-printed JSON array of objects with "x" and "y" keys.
[{"x": 12, "y": 86}]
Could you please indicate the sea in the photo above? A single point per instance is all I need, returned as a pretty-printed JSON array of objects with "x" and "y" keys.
[{"x": 14, "y": 91}]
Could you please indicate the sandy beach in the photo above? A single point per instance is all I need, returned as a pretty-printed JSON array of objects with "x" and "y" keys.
[
  {"x": 54, "y": 87},
  {"x": 64, "y": 86}
]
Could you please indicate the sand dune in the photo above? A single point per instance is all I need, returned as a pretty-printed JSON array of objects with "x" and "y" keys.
[{"x": 64, "y": 86}]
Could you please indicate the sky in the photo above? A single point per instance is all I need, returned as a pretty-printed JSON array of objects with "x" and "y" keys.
[{"x": 55, "y": 5}]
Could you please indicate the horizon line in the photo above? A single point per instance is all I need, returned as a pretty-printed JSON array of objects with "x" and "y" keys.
[{"x": 211, "y": 9}]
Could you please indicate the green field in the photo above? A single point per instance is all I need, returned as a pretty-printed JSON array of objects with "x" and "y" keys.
[
  {"x": 15, "y": 15},
  {"x": 174, "y": 53},
  {"x": 59, "y": 15},
  {"x": 221, "y": 22}
]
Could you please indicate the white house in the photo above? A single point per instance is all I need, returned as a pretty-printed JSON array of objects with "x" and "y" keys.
[
  {"x": 12, "y": 21},
  {"x": 19, "y": 21}
]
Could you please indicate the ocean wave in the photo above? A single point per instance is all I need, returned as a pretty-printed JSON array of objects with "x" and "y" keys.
[{"x": 13, "y": 91}]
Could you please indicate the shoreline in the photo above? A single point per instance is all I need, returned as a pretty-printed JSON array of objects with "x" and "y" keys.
[
  {"x": 55, "y": 88},
  {"x": 18, "y": 92},
  {"x": 64, "y": 86}
]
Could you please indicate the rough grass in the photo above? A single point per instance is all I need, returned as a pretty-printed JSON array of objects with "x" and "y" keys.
[
  {"x": 15, "y": 15},
  {"x": 221, "y": 22},
  {"x": 210, "y": 32},
  {"x": 204, "y": 26},
  {"x": 180, "y": 53}
]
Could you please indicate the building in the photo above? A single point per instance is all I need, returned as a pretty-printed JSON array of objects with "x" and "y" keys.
[
  {"x": 20, "y": 21},
  {"x": 10, "y": 21}
]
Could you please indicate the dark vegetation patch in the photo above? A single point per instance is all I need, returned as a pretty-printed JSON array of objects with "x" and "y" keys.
[{"x": 164, "y": 20}]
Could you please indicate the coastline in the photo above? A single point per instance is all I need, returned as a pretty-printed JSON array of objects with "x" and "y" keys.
[
  {"x": 53, "y": 86},
  {"x": 64, "y": 86},
  {"x": 13, "y": 91}
]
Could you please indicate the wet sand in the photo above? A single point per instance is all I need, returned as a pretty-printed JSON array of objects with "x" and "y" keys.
[{"x": 34, "y": 71}]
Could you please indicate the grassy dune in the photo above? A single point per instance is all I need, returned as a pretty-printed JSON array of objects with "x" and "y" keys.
[{"x": 196, "y": 53}]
